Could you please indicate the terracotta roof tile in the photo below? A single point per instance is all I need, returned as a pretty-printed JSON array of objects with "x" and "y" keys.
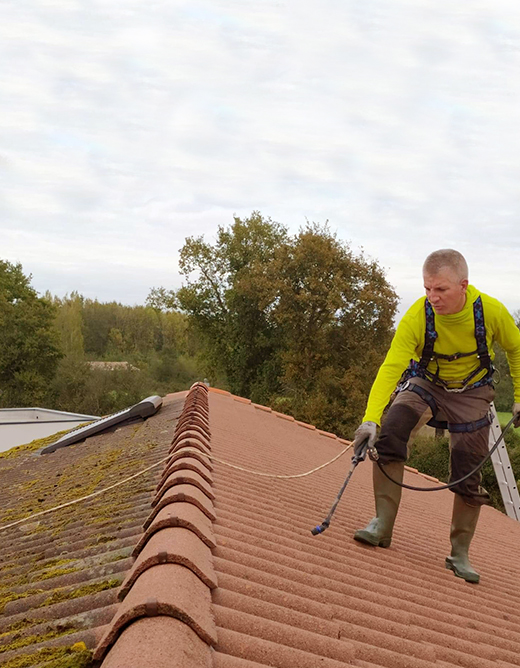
[
  {"x": 193, "y": 442},
  {"x": 195, "y": 420},
  {"x": 396, "y": 607},
  {"x": 169, "y": 642},
  {"x": 186, "y": 493},
  {"x": 216, "y": 390},
  {"x": 179, "y": 514},
  {"x": 173, "y": 545},
  {"x": 262, "y": 408},
  {"x": 284, "y": 597},
  {"x": 326, "y": 433},
  {"x": 179, "y": 454},
  {"x": 283, "y": 416},
  {"x": 169, "y": 590},
  {"x": 266, "y": 652},
  {"x": 184, "y": 477},
  {"x": 242, "y": 399},
  {"x": 173, "y": 572},
  {"x": 187, "y": 462},
  {"x": 194, "y": 432},
  {"x": 305, "y": 424}
]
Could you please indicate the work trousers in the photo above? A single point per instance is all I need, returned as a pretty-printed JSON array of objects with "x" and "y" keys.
[{"x": 467, "y": 449}]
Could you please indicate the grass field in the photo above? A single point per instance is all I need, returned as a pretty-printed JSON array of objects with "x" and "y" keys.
[{"x": 503, "y": 418}]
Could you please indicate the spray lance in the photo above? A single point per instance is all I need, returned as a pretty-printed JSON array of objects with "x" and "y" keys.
[
  {"x": 372, "y": 452},
  {"x": 355, "y": 461}
]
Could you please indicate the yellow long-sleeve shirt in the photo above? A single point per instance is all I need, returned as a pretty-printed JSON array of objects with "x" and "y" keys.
[{"x": 456, "y": 333}]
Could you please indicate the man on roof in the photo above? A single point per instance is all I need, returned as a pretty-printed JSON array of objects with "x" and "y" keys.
[{"x": 441, "y": 356}]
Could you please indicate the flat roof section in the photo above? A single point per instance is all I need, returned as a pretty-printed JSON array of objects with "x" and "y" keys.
[
  {"x": 33, "y": 415},
  {"x": 143, "y": 409}
]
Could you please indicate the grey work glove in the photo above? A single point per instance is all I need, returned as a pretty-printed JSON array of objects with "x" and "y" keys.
[
  {"x": 364, "y": 431},
  {"x": 516, "y": 412}
]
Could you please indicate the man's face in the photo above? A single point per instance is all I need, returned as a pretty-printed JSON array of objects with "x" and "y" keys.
[{"x": 445, "y": 291}]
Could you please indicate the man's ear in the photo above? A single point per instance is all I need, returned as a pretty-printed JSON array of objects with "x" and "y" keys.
[{"x": 464, "y": 284}]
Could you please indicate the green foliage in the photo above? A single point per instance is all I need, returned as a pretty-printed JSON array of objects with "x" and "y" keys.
[
  {"x": 334, "y": 312},
  {"x": 29, "y": 344},
  {"x": 69, "y": 323},
  {"x": 161, "y": 299},
  {"x": 431, "y": 456},
  {"x": 504, "y": 397},
  {"x": 504, "y": 417},
  {"x": 300, "y": 323},
  {"x": 224, "y": 300},
  {"x": 155, "y": 342}
]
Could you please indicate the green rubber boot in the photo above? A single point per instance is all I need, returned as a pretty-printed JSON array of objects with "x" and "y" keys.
[
  {"x": 387, "y": 496},
  {"x": 463, "y": 525}
]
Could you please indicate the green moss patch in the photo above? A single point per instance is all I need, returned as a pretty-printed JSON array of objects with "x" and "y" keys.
[
  {"x": 13, "y": 596},
  {"x": 32, "y": 640},
  {"x": 76, "y": 656},
  {"x": 21, "y": 625},
  {"x": 52, "y": 563},
  {"x": 56, "y": 572},
  {"x": 59, "y": 595}
]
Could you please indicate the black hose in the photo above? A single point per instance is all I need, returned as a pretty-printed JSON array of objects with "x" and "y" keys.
[{"x": 456, "y": 482}]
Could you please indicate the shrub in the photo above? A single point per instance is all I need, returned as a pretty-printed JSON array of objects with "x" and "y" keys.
[{"x": 431, "y": 456}]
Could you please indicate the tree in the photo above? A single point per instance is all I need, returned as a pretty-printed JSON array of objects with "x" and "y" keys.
[
  {"x": 334, "y": 311},
  {"x": 299, "y": 322},
  {"x": 69, "y": 322},
  {"x": 223, "y": 300},
  {"x": 29, "y": 342}
]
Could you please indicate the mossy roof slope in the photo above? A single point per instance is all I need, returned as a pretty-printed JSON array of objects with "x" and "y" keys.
[{"x": 59, "y": 573}]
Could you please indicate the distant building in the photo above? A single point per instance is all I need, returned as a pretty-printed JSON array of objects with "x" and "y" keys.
[{"x": 113, "y": 366}]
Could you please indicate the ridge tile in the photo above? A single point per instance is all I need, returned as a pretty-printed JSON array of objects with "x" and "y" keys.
[
  {"x": 169, "y": 590},
  {"x": 173, "y": 545}
]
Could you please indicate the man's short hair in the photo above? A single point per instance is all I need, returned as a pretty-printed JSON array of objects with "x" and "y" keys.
[{"x": 446, "y": 257}]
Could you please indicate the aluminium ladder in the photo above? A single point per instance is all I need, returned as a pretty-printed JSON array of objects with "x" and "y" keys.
[{"x": 503, "y": 470}]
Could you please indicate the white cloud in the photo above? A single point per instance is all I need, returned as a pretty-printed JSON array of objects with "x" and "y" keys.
[{"x": 128, "y": 126}]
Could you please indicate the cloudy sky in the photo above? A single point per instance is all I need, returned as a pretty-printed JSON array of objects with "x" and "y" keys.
[{"x": 126, "y": 126}]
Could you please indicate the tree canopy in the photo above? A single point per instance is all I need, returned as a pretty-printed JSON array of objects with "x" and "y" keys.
[
  {"x": 29, "y": 343},
  {"x": 300, "y": 322}
]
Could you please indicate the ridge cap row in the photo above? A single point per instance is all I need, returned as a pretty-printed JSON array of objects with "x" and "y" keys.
[{"x": 172, "y": 574}]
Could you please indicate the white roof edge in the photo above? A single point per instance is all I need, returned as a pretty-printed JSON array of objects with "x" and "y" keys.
[{"x": 49, "y": 411}]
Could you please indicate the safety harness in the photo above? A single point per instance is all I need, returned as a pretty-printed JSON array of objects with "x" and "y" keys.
[{"x": 420, "y": 369}]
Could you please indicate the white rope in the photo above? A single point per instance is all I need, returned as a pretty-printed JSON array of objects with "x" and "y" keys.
[
  {"x": 280, "y": 477},
  {"x": 84, "y": 498},
  {"x": 149, "y": 468}
]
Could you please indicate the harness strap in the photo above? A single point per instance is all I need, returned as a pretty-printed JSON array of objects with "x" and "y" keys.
[
  {"x": 424, "y": 394},
  {"x": 428, "y": 354},
  {"x": 453, "y": 427},
  {"x": 430, "y": 336},
  {"x": 462, "y": 427},
  {"x": 480, "y": 335}
]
